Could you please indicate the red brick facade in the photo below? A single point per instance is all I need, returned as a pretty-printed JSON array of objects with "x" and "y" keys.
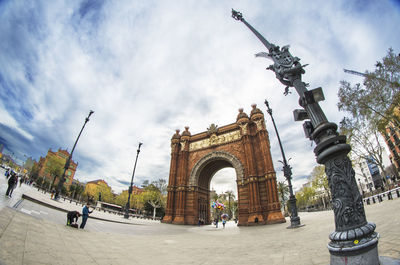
[
  {"x": 243, "y": 145},
  {"x": 62, "y": 154},
  {"x": 392, "y": 139},
  {"x": 391, "y": 134}
]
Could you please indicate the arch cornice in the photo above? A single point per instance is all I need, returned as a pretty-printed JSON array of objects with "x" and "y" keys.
[{"x": 213, "y": 156}]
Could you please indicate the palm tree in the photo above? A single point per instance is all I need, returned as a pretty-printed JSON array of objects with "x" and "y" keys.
[
  {"x": 222, "y": 197},
  {"x": 230, "y": 195},
  {"x": 283, "y": 190}
]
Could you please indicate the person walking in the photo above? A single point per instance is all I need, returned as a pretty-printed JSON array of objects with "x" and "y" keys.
[
  {"x": 85, "y": 215},
  {"x": 223, "y": 222},
  {"x": 12, "y": 180}
]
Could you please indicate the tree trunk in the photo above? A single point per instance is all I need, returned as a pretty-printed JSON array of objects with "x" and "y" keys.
[
  {"x": 154, "y": 213},
  {"x": 382, "y": 168},
  {"x": 323, "y": 202},
  {"x": 229, "y": 206}
]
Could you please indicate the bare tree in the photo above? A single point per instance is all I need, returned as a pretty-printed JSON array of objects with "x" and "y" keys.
[{"x": 365, "y": 142}]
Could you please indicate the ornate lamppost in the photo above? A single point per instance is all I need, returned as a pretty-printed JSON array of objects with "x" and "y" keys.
[
  {"x": 67, "y": 163},
  {"x": 354, "y": 240},
  {"x": 287, "y": 172},
  {"x": 126, "y": 215}
]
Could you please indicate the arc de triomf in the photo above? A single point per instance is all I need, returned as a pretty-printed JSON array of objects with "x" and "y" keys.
[{"x": 195, "y": 159}]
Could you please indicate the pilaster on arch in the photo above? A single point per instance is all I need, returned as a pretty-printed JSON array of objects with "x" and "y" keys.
[{"x": 215, "y": 155}]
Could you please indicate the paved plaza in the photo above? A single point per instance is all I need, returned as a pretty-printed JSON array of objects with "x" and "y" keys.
[{"x": 34, "y": 234}]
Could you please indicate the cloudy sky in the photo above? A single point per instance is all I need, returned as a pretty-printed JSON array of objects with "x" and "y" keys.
[{"x": 149, "y": 67}]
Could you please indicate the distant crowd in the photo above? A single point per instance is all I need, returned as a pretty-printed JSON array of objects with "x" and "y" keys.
[
  {"x": 72, "y": 216},
  {"x": 13, "y": 180}
]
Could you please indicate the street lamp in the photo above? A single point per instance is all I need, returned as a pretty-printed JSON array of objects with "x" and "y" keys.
[
  {"x": 287, "y": 172},
  {"x": 354, "y": 239},
  {"x": 126, "y": 215},
  {"x": 66, "y": 166}
]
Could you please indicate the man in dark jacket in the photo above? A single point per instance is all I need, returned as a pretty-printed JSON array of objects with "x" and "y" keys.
[
  {"x": 85, "y": 216},
  {"x": 71, "y": 215},
  {"x": 12, "y": 180}
]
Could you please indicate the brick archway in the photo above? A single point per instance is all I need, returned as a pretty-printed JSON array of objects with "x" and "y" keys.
[
  {"x": 195, "y": 159},
  {"x": 218, "y": 157}
]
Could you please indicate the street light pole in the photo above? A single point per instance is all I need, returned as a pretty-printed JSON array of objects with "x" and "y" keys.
[
  {"x": 354, "y": 240},
  {"x": 287, "y": 172},
  {"x": 67, "y": 163},
  {"x": 126, "y": 215}
]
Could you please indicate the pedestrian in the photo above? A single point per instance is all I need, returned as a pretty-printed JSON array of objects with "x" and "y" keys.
[
  {"x": 20, "y": 181},
  {"x": 223, "y": 222},
  {"x": 216, "y": 222},
  {"x": 71, "y": 215},
  {"x": 85, "y": 215},
  {"x": 11, "y": 184},
  {"x": 16, "y": 181}
]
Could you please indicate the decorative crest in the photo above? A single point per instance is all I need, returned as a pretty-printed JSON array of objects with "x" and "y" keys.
[
  {"x": 213, "y": 129},
  {"x": 237, "y": 15},
  {"x": 286, "y": 67}
]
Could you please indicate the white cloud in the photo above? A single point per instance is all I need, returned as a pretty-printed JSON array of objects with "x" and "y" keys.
[{"x": 149, "y": 68}]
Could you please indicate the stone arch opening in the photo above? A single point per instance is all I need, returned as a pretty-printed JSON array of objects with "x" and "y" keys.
[
  {"x": 224, "y": 180},
  {"x": 210, "y": 164},
  {"x": 202, "y": 173}
]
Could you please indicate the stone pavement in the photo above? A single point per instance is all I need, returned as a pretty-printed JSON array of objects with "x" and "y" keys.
[{"x": 25, "y": 239}]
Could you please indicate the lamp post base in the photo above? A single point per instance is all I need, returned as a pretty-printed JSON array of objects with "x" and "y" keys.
[
  {"x": 369, "y": 257},
  {"x": 354, "y": 247},
  {"x": 294, "y": 223}
]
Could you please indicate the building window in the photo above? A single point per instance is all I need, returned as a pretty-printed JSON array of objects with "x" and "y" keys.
[
  {"x": 396, "y": 139},
  {"x": 391, "y": 146}
]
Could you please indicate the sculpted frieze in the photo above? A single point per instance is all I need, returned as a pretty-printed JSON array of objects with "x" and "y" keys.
[{"x": 215, "y": 140}]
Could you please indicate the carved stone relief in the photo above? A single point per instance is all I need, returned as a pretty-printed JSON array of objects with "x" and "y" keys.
[{"x": 215, "y": 140}]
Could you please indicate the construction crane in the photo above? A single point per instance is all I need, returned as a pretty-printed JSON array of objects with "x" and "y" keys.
[
  {"x": 396, "y": 84},
  {"x": 354, "y": 72}
]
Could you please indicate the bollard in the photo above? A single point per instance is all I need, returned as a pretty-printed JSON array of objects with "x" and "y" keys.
[
  {"x": 373, "y": 199},
  {"x": 390, "y": 197},
  {"x": 398, "y": 193},
  {"x": 368, "y": 202}
]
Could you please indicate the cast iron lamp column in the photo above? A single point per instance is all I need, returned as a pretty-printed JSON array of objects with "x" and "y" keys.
[
  {"x": 354, "y": 240},
  {"x": 62, "y": 179},
  {"x": 287, "y": 172},
  {"x": 126, "y": 215}
]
